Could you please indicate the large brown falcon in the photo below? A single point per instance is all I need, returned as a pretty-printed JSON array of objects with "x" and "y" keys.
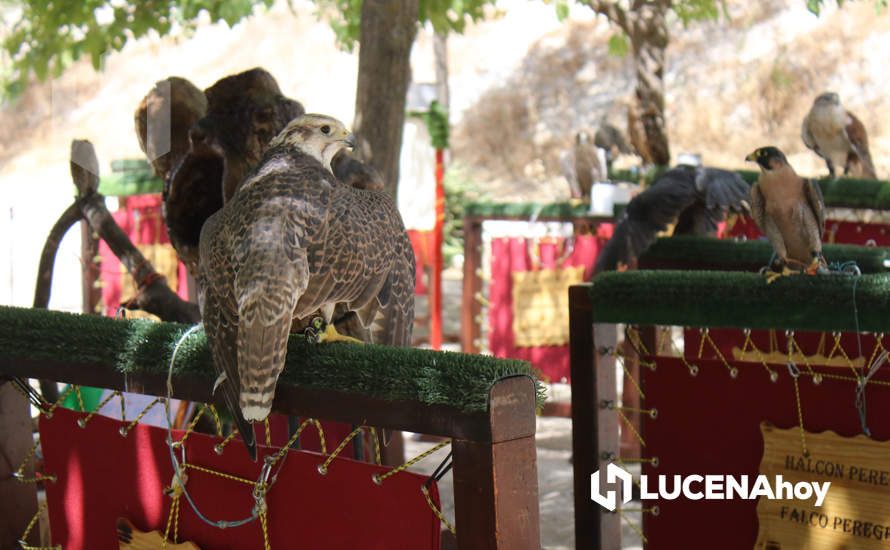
[
  {"x": 293, "y": 240},
  {"x": 836, "y": 135},
  {"x": 791, "y": 213},
  {"x": 582, "y": 167}
]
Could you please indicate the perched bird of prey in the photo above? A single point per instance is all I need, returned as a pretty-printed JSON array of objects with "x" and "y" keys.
[
  {"x": 581, "y": 166},
  {"x": 790, "y": 212},
  {"x": 837, "y": 136},
  {"x": 696, "y": 198},
  {"x": 636, "y": 132},
  {"x": 293, "y": 240},
  {"x": 243, "y": 113},
  {"x": 610, "y": 139},
  {"x": 163, "y": 119}
]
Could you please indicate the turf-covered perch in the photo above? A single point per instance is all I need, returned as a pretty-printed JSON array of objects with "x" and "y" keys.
[
  {"x": 134, "y": 346},
  {"x": 754, "y": 254},
  {"x": 840, "y": 193},
  {"x": 834, "y": 302}
]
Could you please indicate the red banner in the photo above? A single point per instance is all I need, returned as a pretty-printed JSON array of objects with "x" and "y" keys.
[{"x": 102, "y": 476}]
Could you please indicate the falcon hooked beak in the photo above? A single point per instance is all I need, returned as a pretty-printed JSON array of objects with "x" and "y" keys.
[{"x": 350, "y": 141}]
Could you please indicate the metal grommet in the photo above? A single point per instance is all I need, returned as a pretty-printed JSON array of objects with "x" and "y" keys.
[
  {"x": 693, "y": 370},
  {"x": 653, "y": 414},
  {"x": 322, "y": 469},
  {"x": 817, "y": 378},
  {"x": 773, "y": 376},
  {"x": 733, "y": 372}
]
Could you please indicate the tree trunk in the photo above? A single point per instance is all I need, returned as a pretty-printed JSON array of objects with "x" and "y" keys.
[
  {"x": 387, "y": 32},
  {"x": 649, "y": 40}
]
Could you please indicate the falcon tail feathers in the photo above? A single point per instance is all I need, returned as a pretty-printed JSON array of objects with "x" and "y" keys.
[{"x": 245, "y": 428}]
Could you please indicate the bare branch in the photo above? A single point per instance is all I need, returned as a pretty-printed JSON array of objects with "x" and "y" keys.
[
  {"x": 614, "y": 12},
  {"x": 48, "y": 256},
  {"x": 153, "y": 296}
]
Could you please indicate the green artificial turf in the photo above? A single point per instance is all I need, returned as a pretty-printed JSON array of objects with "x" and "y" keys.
[
  {"x": 457, "y": 380},
  {"x": 743, "y": 300},
  {"x": 753, "y": 254}
]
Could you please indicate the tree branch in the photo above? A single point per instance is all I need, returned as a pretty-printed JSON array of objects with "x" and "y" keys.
[
  {"x": 612, "y": 11},
  {"x": 153, "y": 295},
  {"x": 48, "y": 257}
]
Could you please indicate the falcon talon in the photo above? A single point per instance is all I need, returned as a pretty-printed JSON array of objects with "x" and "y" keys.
[{"x": 330, "y": 335}]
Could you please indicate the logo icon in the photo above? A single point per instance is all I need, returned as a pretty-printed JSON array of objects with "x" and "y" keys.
[{"x": 613, "y": 474}]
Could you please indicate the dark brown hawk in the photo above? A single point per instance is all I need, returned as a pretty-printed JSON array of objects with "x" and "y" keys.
[
  {"x": 836, "y": 135},
  {"x": 695, "y": 198},
  {"x": 291, "y": 241}
]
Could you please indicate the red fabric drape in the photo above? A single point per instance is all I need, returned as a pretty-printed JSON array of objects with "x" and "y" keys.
[
  {"x": 512, "y": 255},
  {"x": 710, "y": 424},
  {"x": 102, "y": 476},
  {"x": 141, "y": 219}
]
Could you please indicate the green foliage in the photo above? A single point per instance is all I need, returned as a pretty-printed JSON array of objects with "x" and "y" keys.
[
  {"x": 436, "y": 120},
  {"x": 48, "y": 36},
  {"x": 445, "y": 16},
  {"x": 619, "y": 44},
  {"x": 460, "y": 190},
  {"x": 699, "y": 10}
]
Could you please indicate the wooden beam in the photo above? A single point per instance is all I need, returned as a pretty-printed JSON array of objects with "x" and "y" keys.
[
  {"x": 594, "y": 427},
  {"x": 472, "y": 284},
  {"x": 19, "y": 502},
  {"x": 496, "y": 485},
  {"x": 291, "y": 400}
]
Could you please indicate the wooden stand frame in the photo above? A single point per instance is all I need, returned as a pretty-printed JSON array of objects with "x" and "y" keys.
[{"x": 495, "y": 467}]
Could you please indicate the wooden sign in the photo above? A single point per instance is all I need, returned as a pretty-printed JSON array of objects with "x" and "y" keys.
[
  {"x": 856, "y": 509},
  {"x": 541, "y": 305}
]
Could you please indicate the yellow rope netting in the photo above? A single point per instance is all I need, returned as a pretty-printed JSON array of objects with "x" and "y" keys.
[{"x": 176, "y": 489}]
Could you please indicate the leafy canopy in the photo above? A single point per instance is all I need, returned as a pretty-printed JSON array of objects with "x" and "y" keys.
[
  {"x": 49, "y": 35},
  {"x": 45, "y": 36},
  {"x": 444, "y": 15}
]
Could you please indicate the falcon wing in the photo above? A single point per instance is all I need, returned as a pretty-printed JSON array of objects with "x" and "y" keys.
[
  {"x": 858, "y": 139},
  {"x": 815, "y": 201},
  {"x": 807, "y": 136},
  {"x": 648, "y": 213},
  {"x": 758, "y": 206},
  {"x": 220, "y": 317},
  {"x": 567, "y": 163},
  {"x": 719, "y": 191}
]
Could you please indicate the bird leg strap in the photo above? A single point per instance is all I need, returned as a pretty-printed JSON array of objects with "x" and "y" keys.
[{"x": 322, "y": 332}]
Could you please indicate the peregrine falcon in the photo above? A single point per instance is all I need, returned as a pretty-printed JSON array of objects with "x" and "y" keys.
[
  {"x": 837, "y": 136},
  {"x": 292, "y": 240},
  {"x": 581, "y": 166},
  {"x": 791, "y": 213},
  {"x": 696, "y": 198}
]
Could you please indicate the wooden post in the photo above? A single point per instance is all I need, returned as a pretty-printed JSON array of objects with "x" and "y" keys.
[
  {"x": 19, "y": 502},
  {"x": 89, "y": 249},
  {"x": 496, "y": 483},
  {"x": 438, "y": 239},
  {"x": 470, "y": 308},
  {"x": 594, "y": 427}
]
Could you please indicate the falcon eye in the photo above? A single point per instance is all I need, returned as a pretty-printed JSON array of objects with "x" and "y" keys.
[{"x": 325, "y": 129}]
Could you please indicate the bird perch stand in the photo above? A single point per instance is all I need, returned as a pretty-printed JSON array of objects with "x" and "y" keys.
[
  {"x": 808, "y": 347},
  {"x": 487, "y": 406}
]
